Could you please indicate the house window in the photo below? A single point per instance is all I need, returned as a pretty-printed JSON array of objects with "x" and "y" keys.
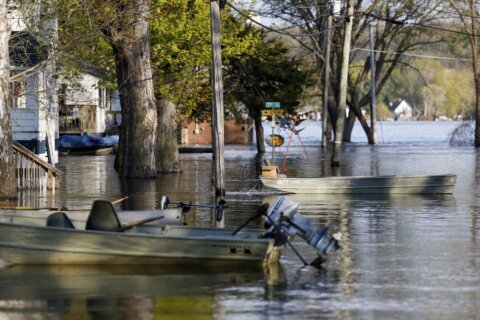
[{"x": 18, "y": 99}]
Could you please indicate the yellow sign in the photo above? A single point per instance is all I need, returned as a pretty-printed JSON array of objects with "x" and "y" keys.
[
  {"x": 270, "y": 112},
  {"x": 275, "y": 140}
]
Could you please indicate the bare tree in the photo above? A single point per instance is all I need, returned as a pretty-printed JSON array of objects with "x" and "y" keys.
[
  {"x": 468, "y": 14},
  {"x": 399, "y": 29},
  {"x": 7, "y": 164}
]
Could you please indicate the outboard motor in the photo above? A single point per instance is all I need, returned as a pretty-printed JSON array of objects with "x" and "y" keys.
[{"x": 284, "y": 217}]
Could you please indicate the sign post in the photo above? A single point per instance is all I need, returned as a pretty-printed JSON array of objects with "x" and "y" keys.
[{"x": 272, "y": 109}]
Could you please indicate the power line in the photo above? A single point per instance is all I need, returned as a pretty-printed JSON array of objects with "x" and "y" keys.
[
  {"x": 389, "y": 20},
  {"x": 278, "y": 30},
  {"x": 408, "y": 23},
  {"x": 412, "y": 54}
]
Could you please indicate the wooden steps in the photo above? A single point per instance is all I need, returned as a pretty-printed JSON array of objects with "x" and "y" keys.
[{"x": 32, "y": 172}]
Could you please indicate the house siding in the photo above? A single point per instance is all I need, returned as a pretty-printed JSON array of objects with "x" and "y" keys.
[
  {"x": 35, "y": 113},
  {"x": 35, "y": 123}
]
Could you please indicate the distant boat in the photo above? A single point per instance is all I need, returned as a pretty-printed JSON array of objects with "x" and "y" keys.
[
  {"x": 86, "y": 144},
  {"x": 422, "y": 184}
]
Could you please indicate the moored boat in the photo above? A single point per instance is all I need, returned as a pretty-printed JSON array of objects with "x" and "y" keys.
[
  {"x": 422, "y": 184},
  {"x": 87, "y": 145},
  {"x": 105, "y": 240}
]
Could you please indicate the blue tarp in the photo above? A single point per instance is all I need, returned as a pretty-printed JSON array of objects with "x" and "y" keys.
[{"x": 86, "y": 141}]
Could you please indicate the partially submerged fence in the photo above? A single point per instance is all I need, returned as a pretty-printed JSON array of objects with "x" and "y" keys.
[{"x": 33, "y": 173}]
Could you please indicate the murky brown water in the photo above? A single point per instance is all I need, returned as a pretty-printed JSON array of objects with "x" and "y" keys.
[{"x": 405, "y": 256}]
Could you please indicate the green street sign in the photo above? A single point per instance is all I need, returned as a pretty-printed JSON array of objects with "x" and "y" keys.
[{"x": 272, "y": 105}]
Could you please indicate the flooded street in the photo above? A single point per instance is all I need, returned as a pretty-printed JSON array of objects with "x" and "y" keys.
[{"x": 403, "y": 256}]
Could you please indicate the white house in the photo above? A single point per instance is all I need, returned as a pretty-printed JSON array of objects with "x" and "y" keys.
[
  {"x": 33, "y": 100},
  {"x": 86, "y": 107},
  {"x": 401, "y": 110},
  {"x": 43, "y": 107}
]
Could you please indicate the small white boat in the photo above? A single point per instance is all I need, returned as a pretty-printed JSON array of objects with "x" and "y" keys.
[
  {"x": 105, "y": 240},
  {"x": 422, "y": 184}
]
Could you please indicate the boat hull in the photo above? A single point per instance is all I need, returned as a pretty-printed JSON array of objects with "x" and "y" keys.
[
  {"x": 143, "y": 245},
  {"x": 436, "y": 184}
]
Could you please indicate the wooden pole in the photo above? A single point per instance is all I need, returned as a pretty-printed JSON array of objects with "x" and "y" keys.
[
  {"x": 217, "y": 105},
  {"x": 342, "y": 95},
  {"x": 326, "y": 76},
  {"x": 373, "y": 111}
]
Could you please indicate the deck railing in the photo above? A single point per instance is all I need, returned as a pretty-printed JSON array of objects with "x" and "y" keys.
[{"x": 32, "y": 172}]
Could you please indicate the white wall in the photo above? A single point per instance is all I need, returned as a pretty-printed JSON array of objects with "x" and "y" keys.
[
  {"x": 25, "y": 124},
  {"x": 39, "y": 116},
  {"x": 83, "y": 92},
  {"x": 16, "y": 20},
  {"x": 86, "y": 92}
]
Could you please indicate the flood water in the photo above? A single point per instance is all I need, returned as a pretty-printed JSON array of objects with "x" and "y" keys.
[{"x": 403, "y": 256}]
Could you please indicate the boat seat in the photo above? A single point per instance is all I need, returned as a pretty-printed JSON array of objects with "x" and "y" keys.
[
  {"x": 103, "y": 217},
  {"x": 60, "y": 220}
]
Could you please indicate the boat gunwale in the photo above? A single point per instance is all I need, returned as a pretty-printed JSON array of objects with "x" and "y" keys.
[
  {"x": 150, "y": 235},
  {"x": 359, "y": 177},
  {"x": 386, "y": 184}
]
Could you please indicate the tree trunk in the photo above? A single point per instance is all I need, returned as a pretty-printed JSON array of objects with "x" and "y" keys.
[
  {"x": 476, "y": 71},
  {"x": 168, "y": 159},
  {"x": 477, "y": 110},
  {"x": 260, "y": 137},
  {"x": 369, "y": 132},
  {"x": 326, "y": 70},
  {"x": 347, "y": 131},
  {"x": 131, "y": 46},
  {"x": 7, "y": 163},
  {"x": 342, "y": 96}
]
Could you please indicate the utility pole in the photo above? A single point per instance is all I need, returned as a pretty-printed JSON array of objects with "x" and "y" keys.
[
  {"x": 373, "y": 107},
  {"x": 326, "y": 75},
  {"x": 342, "y": 95},
  {"x": 218, "y": 139}
]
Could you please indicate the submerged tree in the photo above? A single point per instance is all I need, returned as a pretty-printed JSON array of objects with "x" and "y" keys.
[
  {"x": 398, "y": 29},
  {"x": 7, "y": 164},
  {"x": 180, "y": 57},
  {"x": 468, "y": 15},
  {"x": 128, "y": 35},
  {"x": 148, "y": 140}
]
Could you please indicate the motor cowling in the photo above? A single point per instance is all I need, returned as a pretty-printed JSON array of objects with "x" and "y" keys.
[{"x": 284, "y": 217}]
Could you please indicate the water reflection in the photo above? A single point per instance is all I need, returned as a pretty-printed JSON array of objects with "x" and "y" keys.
[
  {"x": 403, "y": 256},
  {"x": 146, "y": 293},
  {"x": 118, "y": 291}
]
